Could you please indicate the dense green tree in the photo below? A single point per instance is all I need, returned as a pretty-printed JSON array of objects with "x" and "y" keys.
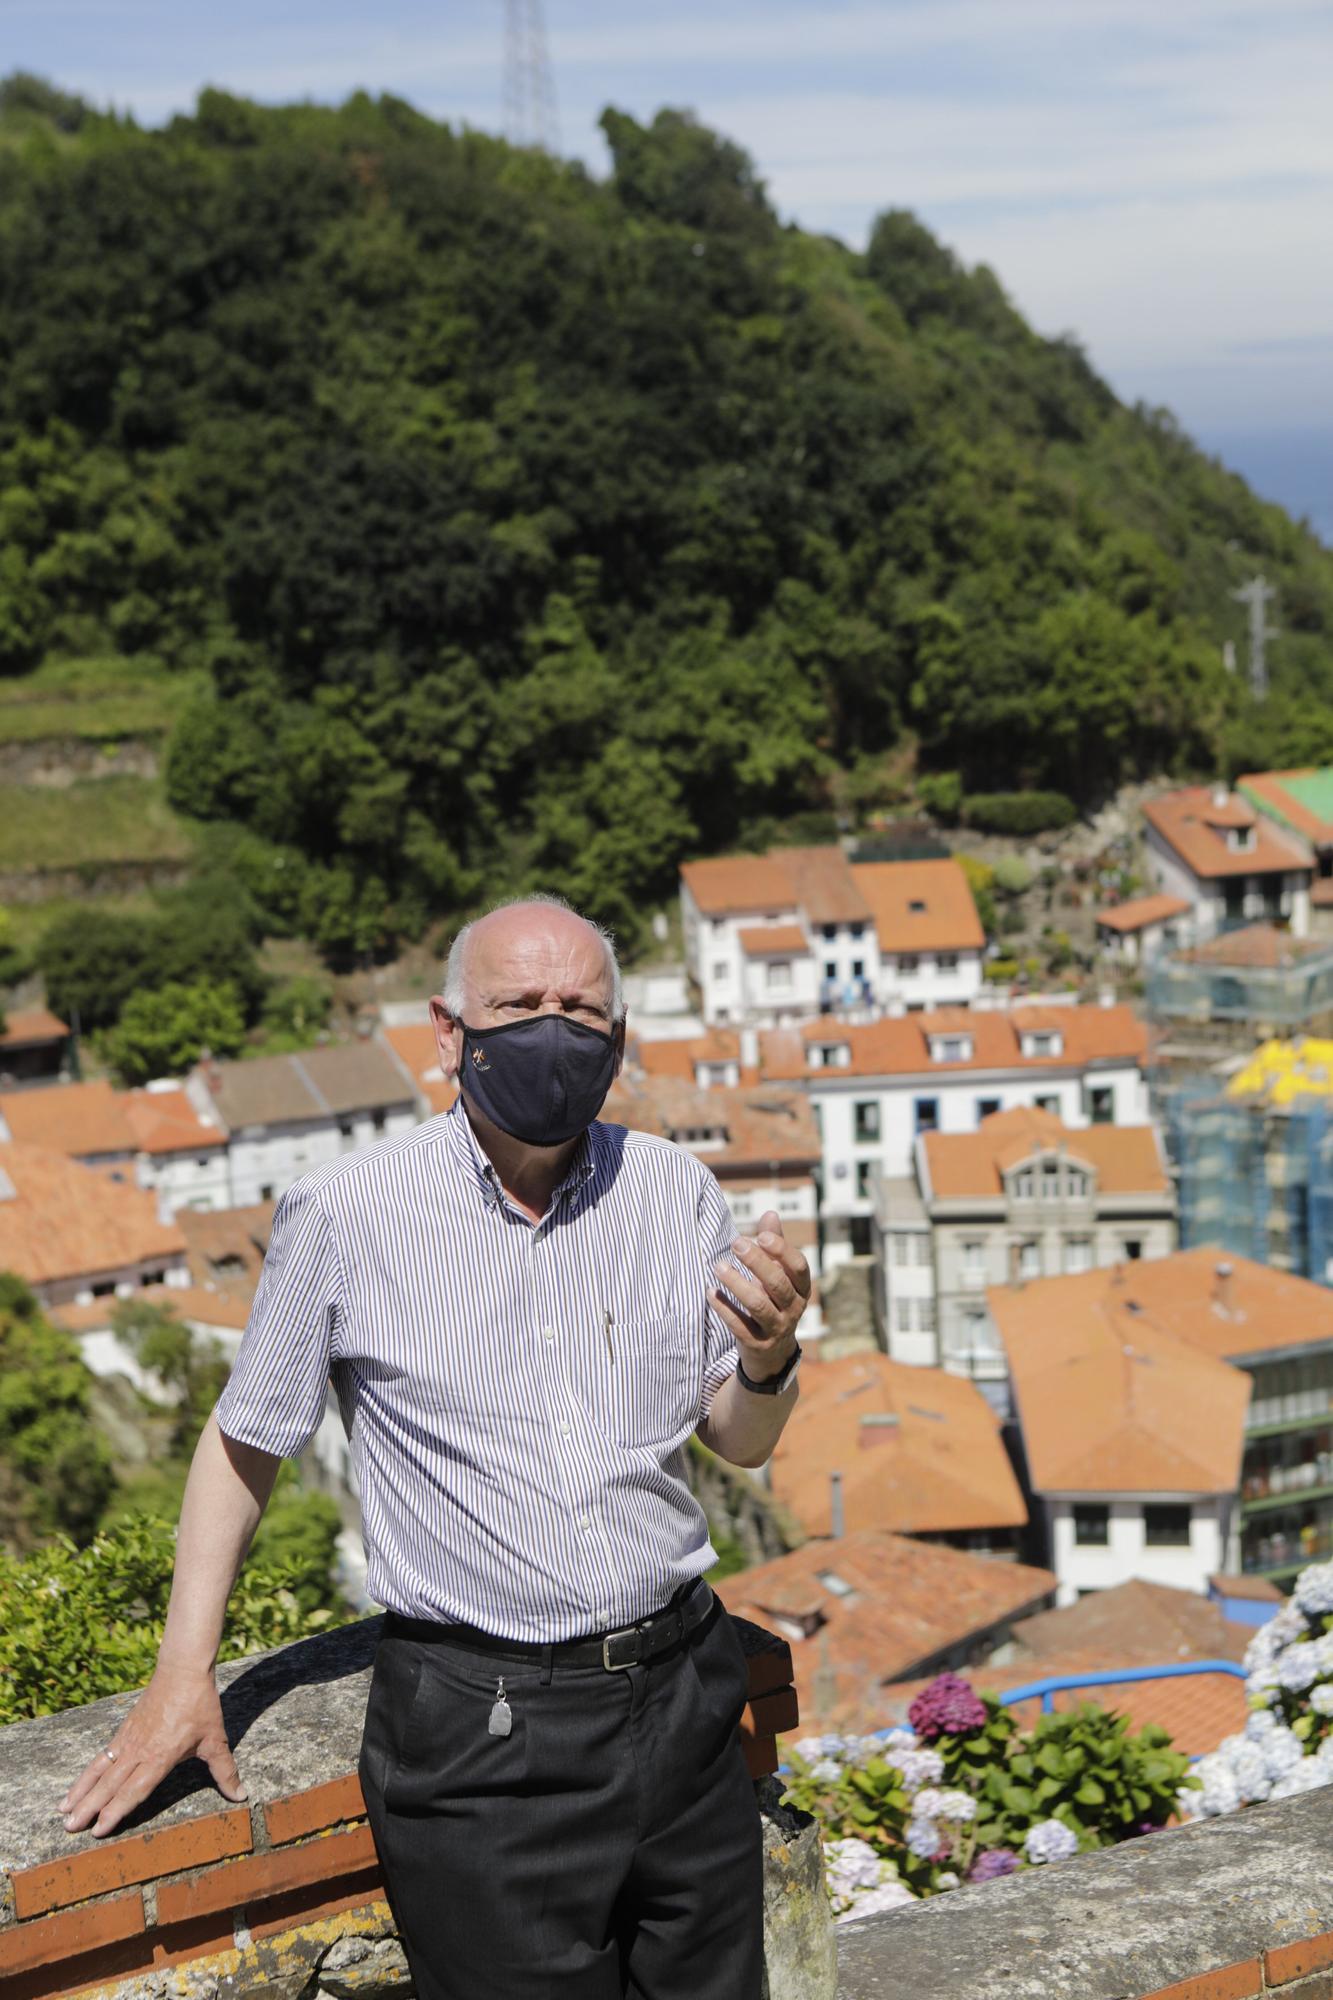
[
  {"x": 55, "y": 1474},
  {"x": 162, "y": 1030}
]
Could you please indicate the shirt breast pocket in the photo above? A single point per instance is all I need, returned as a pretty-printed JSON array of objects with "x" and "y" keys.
[{"x": 647, "y": 1382}]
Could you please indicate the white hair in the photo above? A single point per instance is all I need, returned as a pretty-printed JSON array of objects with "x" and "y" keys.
[{"x": 452, "y": 992}]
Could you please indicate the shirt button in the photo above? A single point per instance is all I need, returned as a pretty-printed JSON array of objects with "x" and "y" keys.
[
  {"x": 564, "y": 1430},
  {"x": 549, "y": 1332},
  {"x": 584, "y": 1522}
]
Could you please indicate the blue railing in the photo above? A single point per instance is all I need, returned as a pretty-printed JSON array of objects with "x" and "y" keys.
[{"x": 1054, "y": 1684}]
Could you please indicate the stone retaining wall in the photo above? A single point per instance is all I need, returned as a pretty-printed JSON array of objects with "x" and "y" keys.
[{"x": 282, "y": 1897}]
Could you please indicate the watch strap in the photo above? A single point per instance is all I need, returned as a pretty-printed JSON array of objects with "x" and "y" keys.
[{"x": 775, "y": 1384}]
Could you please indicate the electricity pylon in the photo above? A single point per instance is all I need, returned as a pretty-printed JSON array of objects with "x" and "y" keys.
[
  {"x": 529, "y": 88},
  {"x": 1255, "y": 596}
]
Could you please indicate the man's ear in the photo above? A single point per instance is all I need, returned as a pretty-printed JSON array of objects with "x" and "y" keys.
[
  {"x": 619, "y": 1033},
  {"x": 448, "y": 1037}
]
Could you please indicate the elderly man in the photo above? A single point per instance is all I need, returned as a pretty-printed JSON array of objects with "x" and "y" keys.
[{"x": 525, "y": 1313}]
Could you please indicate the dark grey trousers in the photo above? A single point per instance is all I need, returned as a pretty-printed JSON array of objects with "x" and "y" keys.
[{"x": 608, "y": 1848}]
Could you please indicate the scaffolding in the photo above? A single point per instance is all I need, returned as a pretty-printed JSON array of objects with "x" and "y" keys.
[
  {"x": 1252, "y": 1154},
  {"x": 1185, "y": 990}
]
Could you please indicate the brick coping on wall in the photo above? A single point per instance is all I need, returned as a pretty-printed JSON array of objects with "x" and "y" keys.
[
  {"x": 1227, "y": 1909},
  {"x": 182, "y": 1880}
]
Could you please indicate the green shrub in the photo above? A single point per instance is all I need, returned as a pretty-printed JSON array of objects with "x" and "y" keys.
[
  {"x": 1019, "y": 812},
  {"x": 77, "y": 1624},
  {"x": 941, "y": 793},
  {"x": 1013, "y": 877},
  {"x": 981, "y": 881}
]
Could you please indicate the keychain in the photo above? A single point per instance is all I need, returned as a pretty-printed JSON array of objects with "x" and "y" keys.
[{"x": 502, "y": 1718}]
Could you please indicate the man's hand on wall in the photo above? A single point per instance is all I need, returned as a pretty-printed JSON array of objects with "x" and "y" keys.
[
  {"x": 178, "y": 1715},
  {"x": 774, "y": 1297}
]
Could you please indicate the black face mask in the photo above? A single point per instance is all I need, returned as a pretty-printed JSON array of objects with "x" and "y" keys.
[{"x": 542, "y": 1080}]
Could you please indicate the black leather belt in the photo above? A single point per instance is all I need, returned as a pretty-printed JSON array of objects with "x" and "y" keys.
[{"x": 612, "y": 1650}]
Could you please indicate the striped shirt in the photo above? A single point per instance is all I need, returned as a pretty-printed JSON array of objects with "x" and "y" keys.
[{"x": 517, "y": 1397}]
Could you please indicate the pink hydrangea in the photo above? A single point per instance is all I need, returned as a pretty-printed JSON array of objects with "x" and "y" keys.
[{"x": 948, "y": 1707}]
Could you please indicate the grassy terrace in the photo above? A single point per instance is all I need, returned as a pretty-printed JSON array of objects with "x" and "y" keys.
[
  {"x": 94, "y": 821},
  {"x": 96, "y": 700}
]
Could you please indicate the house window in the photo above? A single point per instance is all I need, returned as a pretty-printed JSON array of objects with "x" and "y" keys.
[
  {"x": 832, "y": 1055},
  {"x": 777, "y": 972},
  {"x": 908, "y": 962},
  {"x": 946, "y": 961},
  {"x": 266, "y": 1192},
  {"x": 902, "y": 1250},
  {"x": 974, "y": 1257},
  {"x": 858, "y": 968},
  {"x": 917, "y": 907},
  {"x": 1029, "y": 1259},
  {"x": 951, "y": 1048},
  {"x": 1025, "y": 1185},
  {"x": 830, "y": 968},
  {"x": 104, "y": 1291},
  {"x": 1101, "y": 1104},
  {"x": 720, "y": 968},
  {"x": 864, "y": 1169},
  {"x": 828, "y": 931},
  {"x": 1050, "y": 1180},
  {"x": 201, "y": 1160},
  {"x": 1078, "y": 1254},
  {"x": 866, "y": 1115},
  {"x": 1133, "y": 1248},
  {"x": 345, "y": 1127},
  {"x": 1092, "y": 1527},
  {"x": 1047, "y": 1101},
  {"x": 1077, "y": 1183},
  {"x": 1041, "y": 1045},
  {"x": 856, "y": 930},
  {"x": 926, "y": 1114},
  {"x": 377, "y": 1119},
  {"x": 1166, "y": 1527},
  {"x": 987, "y": 1107}
]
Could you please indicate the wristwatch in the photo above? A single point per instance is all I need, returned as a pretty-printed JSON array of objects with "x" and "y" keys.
[{"x": 775, "y": 1383}]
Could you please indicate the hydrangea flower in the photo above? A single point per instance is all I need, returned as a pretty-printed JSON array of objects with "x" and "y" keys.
[
  {"x": 1262, "y": 1686},
  {"x": 1321, "y": 1699},
  {"x": 1260, "y": 1723},
  {"x": 1282, "y": 1751},
  {"x": 890, "y": 1895},
  {"x": 826, "y": 1770},
  {"x": 1050, "y": 1840},
  {"x": 851, "y": 1864},
  {"x": 923, "y": 1838},
  {"x": 1307, "y": 1776},
  {"x": 994, "y": 1863},
  {"x": 1298, "y": 1666},
  {"x": 1313, "y": 1590},
  {"x": 948, "y": 1707},
  {"x": 920, "y": 1767}
]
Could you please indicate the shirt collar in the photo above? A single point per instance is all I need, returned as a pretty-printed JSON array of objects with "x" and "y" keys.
[{"x": 467, "y": 1150}]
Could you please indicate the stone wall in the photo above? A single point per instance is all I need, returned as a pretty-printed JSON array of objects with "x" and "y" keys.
[
  {"x": 283, "y": 1897},
  {"x": 1225, "y": 1909}
]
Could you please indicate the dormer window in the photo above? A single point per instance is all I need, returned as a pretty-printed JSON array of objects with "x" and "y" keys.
[
  {"x": 917, "y": 907},
  {"x": 1240, "y": 839},
  {"x": 1050, "y": 1180},
  {"x": 830, "y": 1055},
  {"x": 1023, "y": 1184},
  {"x": 951, "y": 1048},
  {"x": 701, "y": 1138},
  {"x": 1045, "y": 1042}
]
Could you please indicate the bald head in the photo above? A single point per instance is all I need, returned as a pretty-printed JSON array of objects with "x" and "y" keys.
[{"x": 538, "y": 952}]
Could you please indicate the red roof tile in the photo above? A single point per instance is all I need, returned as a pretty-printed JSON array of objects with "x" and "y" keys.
[
  {"x": 63, "y": 1220},
  {"x": 1190, "y": 823},
  {"x": 74, "y": 1118},
  {"x": 1141, "y": 911}
]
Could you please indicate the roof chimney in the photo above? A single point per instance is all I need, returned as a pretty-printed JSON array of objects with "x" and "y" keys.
[
  {"x": 877, "y": 1427},
  {"x": 1220, "y": 794},
  {"x": 837, "y": 1517},
  {"x": 749, "y": 1048},
  {"x": 1223, "y": 1294}
]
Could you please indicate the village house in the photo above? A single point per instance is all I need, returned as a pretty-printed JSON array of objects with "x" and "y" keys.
[
  {"x": 775, "y": 938},
  {"x": 1214, "y": 849},
  {"x": 1024, "y": 1196},
  {"x": 1175, "y": 1418},
  {"x": 285, "y": 1114},
  {"x": 153, "y": 1138},
  {"x": 74, "y": 1234}
]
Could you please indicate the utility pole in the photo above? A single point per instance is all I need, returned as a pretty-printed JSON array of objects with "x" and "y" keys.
[
  {"x": 529, "y": 87},
  {"x": 1255, "y": 596}
]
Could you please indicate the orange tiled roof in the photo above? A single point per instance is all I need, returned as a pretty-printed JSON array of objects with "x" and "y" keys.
[
  {"x": 226, "y": 1247},
  {"x": 165, "y": 1121},
  {"x": 736, "y": 884},
  {"x": 65, "y": 1221},
  {"x": 774, "y": 941},
  {"x": 901, "y": 1047},
  {"x": 764, "y": 1126},
  {"x": 1247, "y": 1310},
  {"x": 1259, "y": 945},
  {"x": 892, "y": 1607},
  {"x": 1271, "y": 789},
  {"x": 1152, "y": 1621},
  {"x": 415, "y": 1047},
  {"x": 948, "y": 921},
  {"x": 186, "y": 1301},
  {"x": 1125, "y": 1158},
  {"x": 825, "y": 884},
  {"x": 1189, "y": 821},
  {"x": 31, "y": 1024},
  {"x": 1108, "y": 1400},
  {"x": 679, "y": 1057},
  {"x": 1141, "y": 911},
  {"x": 74, "y": 1118},
  {"x": 940, "y": 1466}
]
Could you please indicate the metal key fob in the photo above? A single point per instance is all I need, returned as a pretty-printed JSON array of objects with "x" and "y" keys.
[{"x": 502, "y": 1718}]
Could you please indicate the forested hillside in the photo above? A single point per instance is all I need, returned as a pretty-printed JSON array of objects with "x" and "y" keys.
[{"x": 507, "y": 526}]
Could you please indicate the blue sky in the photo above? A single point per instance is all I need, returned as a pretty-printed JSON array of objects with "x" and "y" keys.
[{"x": 1155, "y": 176}]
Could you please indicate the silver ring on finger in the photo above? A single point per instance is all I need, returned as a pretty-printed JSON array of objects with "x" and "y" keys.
[{"x": 111, "y": 1754}]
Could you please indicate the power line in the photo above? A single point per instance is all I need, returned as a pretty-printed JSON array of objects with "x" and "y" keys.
[{"x": 530, "y": 116}]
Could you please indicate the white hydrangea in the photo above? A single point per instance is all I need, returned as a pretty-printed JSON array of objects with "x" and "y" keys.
[
  {"x": 1262, "y": 1686},
  {"x": 1298, "y": 1666},
  {"x": 1321, "y": 1701},
  {"x": 920, "y": 1767},
  {"x": 923, "y": 1837},
  {"x": 894, "y": 1741},
  {"x": 851, "y": 1864},
  {"x": 959, "y": 1808},
  {"x": 1248, "y": 1768},
  {"x": 1219, "y": 1794},
  {"x": 826, "y": 1770},
  {"x": 1282, "y": 1751},
  {"x": 1313, "y": 1590},
  {"x": 946, "y": 1879},
  {"x": 1259, "y": 1724},
  {"x": 1307, "y": 1776},
  {"x": 889, "y": 1895},
  {"x": 1324, "y": 1648},
  {"x": 1050, "y": 1840}
]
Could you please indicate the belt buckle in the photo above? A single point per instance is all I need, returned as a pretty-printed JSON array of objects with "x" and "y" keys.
[{"x": 618, "y": 1666}]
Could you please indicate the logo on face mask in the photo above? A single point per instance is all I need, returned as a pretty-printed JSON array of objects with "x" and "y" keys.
[{"x": 479, "y": 1059}]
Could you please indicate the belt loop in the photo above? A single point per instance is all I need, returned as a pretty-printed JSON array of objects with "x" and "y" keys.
[{"x": 547, "y": 1651}]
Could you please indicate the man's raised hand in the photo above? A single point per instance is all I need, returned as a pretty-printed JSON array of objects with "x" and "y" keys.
[{"x": 773, "y": 1295}]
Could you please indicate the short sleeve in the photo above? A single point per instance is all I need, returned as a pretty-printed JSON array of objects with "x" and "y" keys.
[
  {"x": 717, "y": 1232},
  {"x": 275, "y": 1396}
]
